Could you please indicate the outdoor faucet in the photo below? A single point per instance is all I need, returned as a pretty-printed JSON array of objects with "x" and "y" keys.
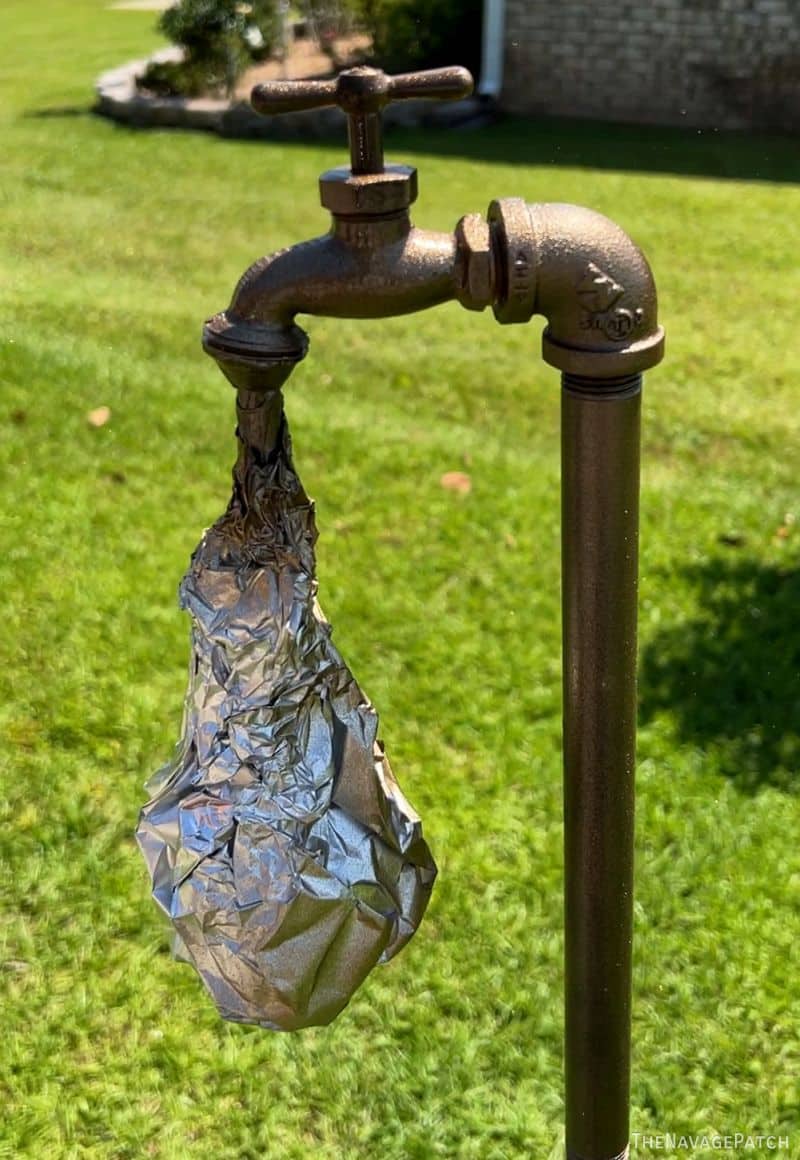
[
  {"x": 595, "y": 289},
  {"x": 569, "y": 264}
]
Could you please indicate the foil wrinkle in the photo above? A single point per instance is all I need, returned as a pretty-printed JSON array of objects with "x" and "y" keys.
[{"x": 277, "y": 839}]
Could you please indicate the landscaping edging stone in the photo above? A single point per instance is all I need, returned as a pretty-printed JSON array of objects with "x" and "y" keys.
[{"x": 118, "y": 98}]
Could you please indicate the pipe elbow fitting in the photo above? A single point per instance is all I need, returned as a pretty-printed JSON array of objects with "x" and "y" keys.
[{"x": 589, "y": 280}]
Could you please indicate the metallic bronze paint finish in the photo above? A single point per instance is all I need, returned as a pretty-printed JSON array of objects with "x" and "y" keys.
[
  {"x": 595, "y": 289},
  {"x": 362, "y": 93},
  {"x": 599, "y": 533}
]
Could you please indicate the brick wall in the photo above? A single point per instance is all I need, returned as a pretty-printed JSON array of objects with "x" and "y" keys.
[{"x": 711, "y": 63}]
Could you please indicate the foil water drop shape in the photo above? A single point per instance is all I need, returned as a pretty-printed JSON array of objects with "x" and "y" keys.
[{"x": 277, "y": 839}]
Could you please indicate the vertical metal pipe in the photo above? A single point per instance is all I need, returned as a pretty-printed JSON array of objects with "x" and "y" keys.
[
  {"x": 365, "y": 132},
  {"x": 600, "y": 524}
]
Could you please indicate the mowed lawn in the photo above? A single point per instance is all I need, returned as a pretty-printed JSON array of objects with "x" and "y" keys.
[{"x": 114, "y": 246}]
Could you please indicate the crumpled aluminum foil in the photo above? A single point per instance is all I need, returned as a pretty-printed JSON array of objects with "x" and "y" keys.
[{"x": 278, "y": 842}]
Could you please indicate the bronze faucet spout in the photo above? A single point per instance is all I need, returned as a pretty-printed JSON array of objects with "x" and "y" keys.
[
  {"x": 359, "y": 270},
  {"x": 363, "y": 268}
]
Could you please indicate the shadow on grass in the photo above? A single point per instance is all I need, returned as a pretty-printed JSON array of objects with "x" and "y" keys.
[
  {"x": 564, "y": 142},
  {"x": 730, "y": 677},
  {"x": 561, "y": 142},
  {"x": 57, "y": 111}
]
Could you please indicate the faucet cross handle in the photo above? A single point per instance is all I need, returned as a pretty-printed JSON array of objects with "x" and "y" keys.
[{"x": 362, "y": 93}]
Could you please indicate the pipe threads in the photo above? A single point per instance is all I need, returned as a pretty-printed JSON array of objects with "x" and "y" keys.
[{"x": 617, "y": 388}]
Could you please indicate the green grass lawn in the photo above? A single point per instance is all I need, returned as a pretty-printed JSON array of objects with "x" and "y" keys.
[{"x": 114, "y": 246}]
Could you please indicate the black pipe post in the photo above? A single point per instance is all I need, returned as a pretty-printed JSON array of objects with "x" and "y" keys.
[{"x": 600, "y": 526}]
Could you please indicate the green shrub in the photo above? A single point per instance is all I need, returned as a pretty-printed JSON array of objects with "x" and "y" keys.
[
  {"x": 409, "y": 34},
  {"x": 220, "y": 38}
]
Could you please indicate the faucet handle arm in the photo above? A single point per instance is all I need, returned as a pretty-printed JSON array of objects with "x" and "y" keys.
[
  {"x": 440, "y": 84},
  {"x": 276, "y": 97},
  {"x": 362, "y": 93}
]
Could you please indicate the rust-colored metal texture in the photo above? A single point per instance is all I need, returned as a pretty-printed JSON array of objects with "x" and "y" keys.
[
  {"x": 574, "y": 266},
  {"x": 599, "y": 535},
  {"x": 362, "y": 93},
  {"x": 596, "y": 292}
]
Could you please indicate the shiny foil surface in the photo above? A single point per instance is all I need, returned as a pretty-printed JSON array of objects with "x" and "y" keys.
[{"x": 277, "y": 840}]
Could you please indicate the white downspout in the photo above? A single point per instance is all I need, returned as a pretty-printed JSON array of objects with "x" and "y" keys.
[{"x": 494, "y": 14}]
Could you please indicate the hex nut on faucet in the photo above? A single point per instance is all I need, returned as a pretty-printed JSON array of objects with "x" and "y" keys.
[{"x": 474, "y": 263}]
